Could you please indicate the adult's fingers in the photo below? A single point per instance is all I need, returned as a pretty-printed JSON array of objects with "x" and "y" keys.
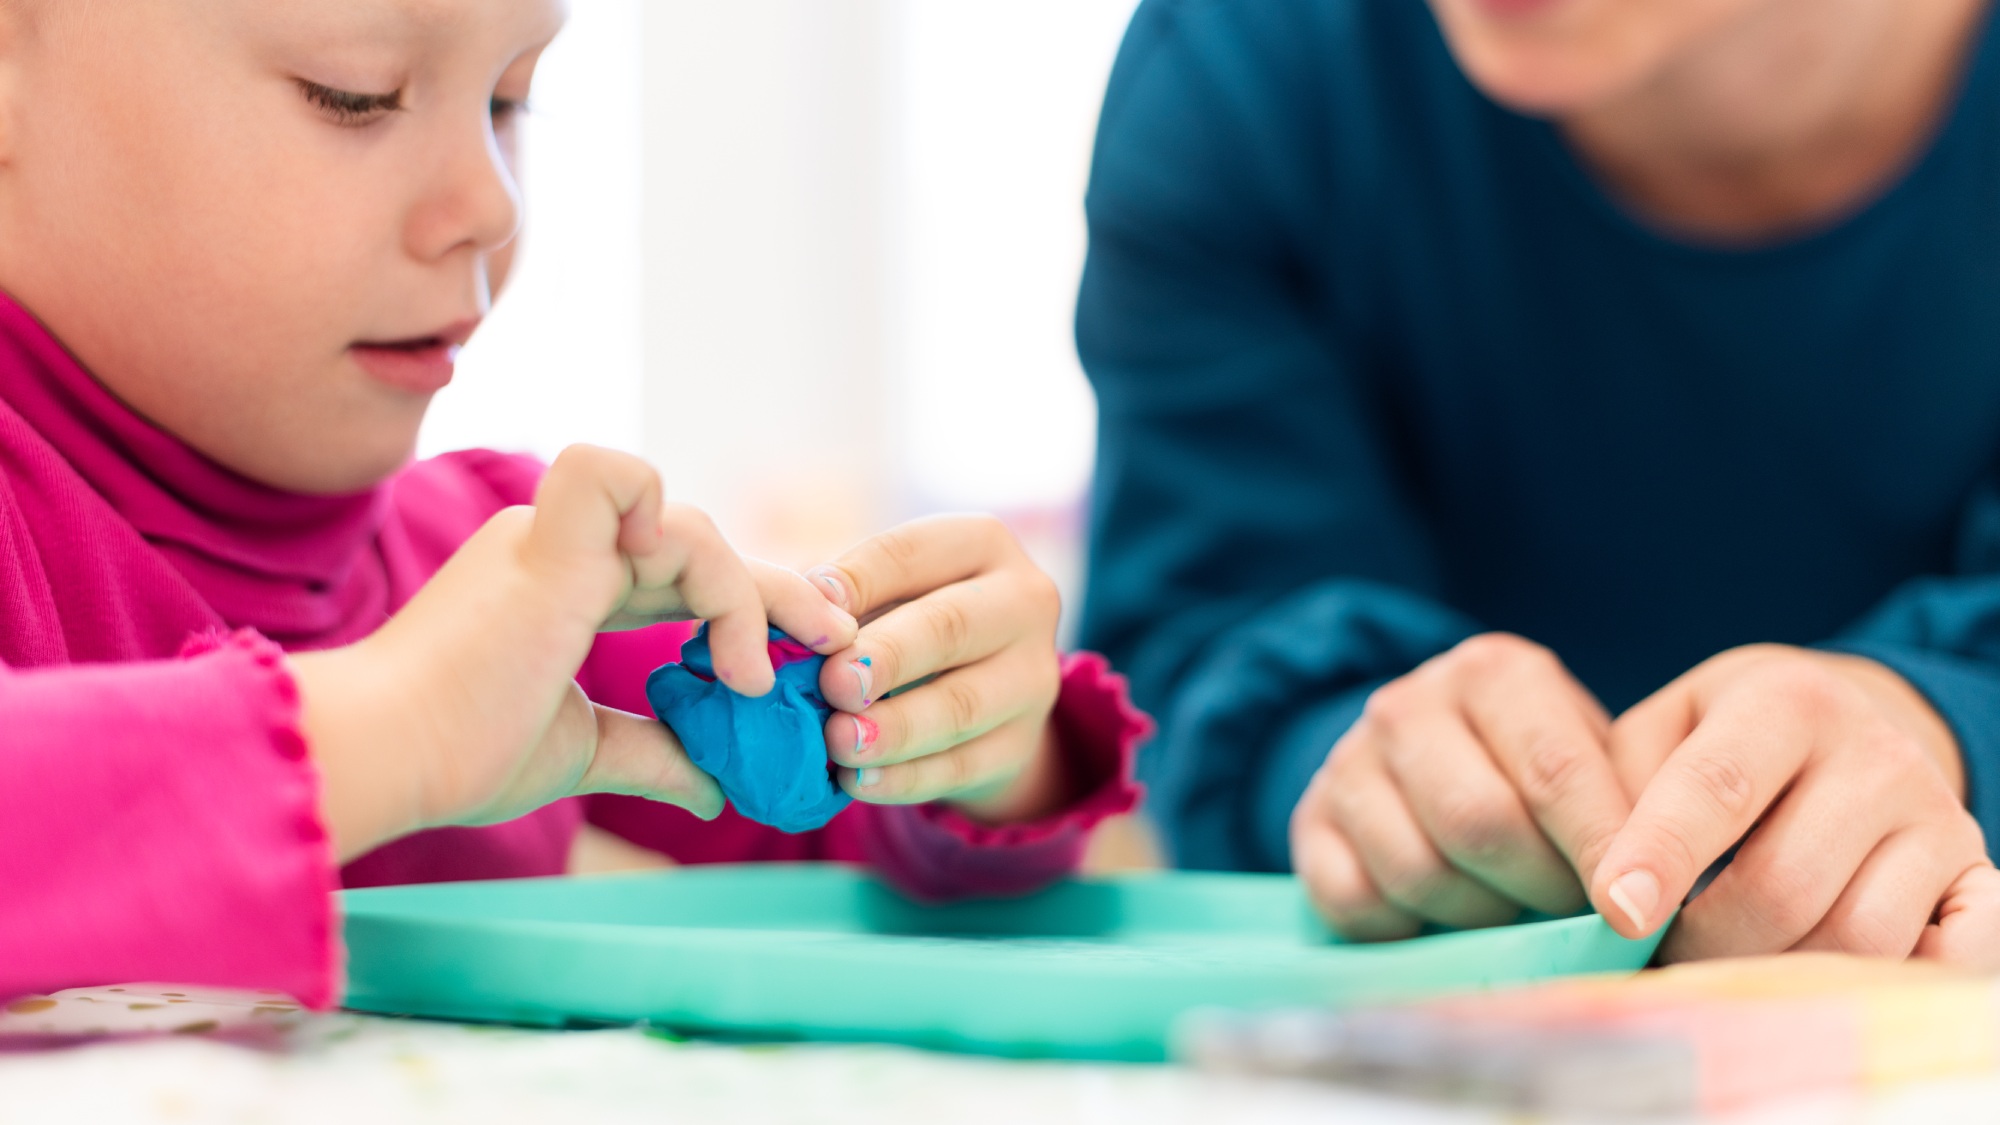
[
  {"x": 1748, "y": 746},
  {"x": 956, "y": 707},
  {"x": 1335, "y": 880},
  {"x": 912, "y": 560},
  {"x": 1967, "y": 930},
  {"x": 1884, "y": 910},
  {"x": 1398, "y": 855},
  {"x": 1466, "y": 806},
  {"x": 1549, "y": 736},
  {"x": 950, "y": 627},
  {"x": 642, "y": 758},
  {"x": 1791, "y": 871},
  {"x": 1645, "y": 736}
]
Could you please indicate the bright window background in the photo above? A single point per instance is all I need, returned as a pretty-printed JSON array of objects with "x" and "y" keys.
[
  {"x": 559, "y": 360},
  {"x": 815, "y": 258},
  {"x": 996, "y": 120}
]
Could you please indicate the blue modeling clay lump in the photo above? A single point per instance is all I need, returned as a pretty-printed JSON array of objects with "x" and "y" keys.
[{"x": 767, "y": 753}]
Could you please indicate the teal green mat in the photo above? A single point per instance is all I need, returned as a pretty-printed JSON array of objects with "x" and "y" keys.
[{"x": 1088, "y": 969}]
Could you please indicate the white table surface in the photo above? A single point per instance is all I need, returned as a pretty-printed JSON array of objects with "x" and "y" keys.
[{"x": 349, "y": 1068}]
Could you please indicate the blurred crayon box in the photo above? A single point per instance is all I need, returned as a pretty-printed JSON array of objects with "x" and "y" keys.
[{"x": 1704, "y": 1038}]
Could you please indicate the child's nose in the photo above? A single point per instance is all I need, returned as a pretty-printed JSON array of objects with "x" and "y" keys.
[{"x": 474, "y": 203}]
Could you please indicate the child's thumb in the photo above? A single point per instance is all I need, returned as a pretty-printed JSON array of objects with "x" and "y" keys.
[{"x": 640, "y": 757}]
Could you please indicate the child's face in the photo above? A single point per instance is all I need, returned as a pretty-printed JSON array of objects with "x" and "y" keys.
[{"x": 265, "y": 224}]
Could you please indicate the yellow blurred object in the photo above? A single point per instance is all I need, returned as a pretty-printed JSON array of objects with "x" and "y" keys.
[
  {"x": 800, "y": 521},
  {"x": 1123, "y": 843},
  {"x": 597, "y": 852}
]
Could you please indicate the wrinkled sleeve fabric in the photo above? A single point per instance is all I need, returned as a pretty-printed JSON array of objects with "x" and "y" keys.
[
  {"x": 1942, "y": 634},
  {"x": 929, "y": 851},
  {"x": 160, "y": 822},
  {"x": 1258, "y": 562}
]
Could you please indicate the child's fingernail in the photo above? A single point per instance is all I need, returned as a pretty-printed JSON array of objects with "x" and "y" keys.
[
  {"x": 1636, "y": 893},
  {"x": 836, "y": 591},
  {"x": 864, "y": 671},
  {"x": 865, "y": 734},
  {"x": 865, "y": 779}
]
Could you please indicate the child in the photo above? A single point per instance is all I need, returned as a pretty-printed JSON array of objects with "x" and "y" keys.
[{"x": 241, "y": 642}]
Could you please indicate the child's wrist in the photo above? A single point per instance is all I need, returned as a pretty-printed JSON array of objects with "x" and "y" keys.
[
  {"x": 1041, "y": 788},
  {"x": 369, "y": 791}
]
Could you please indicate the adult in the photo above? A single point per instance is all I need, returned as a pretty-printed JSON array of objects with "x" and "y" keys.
[{"x": 1474, "y": 373}]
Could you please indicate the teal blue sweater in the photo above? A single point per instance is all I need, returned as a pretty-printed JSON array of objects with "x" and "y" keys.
[{"x": 1380, "y": 366}]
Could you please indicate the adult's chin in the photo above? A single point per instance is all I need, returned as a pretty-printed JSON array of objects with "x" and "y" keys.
[
  {"x": 1548, "y": 62},
  {"x": 1536, "y": 87}
]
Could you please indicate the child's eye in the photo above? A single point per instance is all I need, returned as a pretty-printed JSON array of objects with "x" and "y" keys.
[
  {"x": 505, "y": 110},
  {"x": 348, "y": 108}
]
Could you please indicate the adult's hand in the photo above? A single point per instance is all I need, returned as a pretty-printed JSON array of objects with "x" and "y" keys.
[
  {"x": 1844, "y": 787},
  {"x": 1476, "y": 785},
  {"x": 1966, "y": 930}
]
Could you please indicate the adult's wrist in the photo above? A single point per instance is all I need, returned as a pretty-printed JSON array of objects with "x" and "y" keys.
[{"x": 1910, "y": 711}]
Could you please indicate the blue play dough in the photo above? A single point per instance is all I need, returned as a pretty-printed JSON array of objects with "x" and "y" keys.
[{"x": 767, "y": 753}]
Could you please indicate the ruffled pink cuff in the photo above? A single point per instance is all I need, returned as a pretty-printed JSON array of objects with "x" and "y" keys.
[
  {"x": 936, "y": 852},
  {"x": 285, "y": 931}
]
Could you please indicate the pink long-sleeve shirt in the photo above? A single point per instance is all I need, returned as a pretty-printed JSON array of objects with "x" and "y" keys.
[{"x": 159, "y": 811}]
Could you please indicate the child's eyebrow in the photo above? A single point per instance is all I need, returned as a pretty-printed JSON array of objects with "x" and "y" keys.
[
  {"x": 367, "y": 24},
  {"x": 401, "y": 17}
]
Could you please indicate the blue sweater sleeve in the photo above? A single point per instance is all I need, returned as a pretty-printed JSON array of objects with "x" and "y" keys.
[
  {"x": 1258, "y": 561},
  {"x": 1942, "y": 634}
]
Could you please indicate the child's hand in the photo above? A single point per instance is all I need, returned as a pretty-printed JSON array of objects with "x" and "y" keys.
[
  {"x": 1841, "y": 782},
  {"x": 1475, "y": 785},
  {"x": 463, "y": 708},
  {"x": 953, "y": 597}
]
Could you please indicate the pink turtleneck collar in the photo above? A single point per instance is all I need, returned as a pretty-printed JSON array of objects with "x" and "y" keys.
[{"x": 117, "y": 539}]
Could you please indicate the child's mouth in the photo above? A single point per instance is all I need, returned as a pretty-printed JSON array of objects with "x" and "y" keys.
[{"x": 419, "y": 364}]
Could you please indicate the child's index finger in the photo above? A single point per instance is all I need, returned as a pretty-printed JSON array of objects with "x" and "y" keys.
[
  {"x": 717, "y": 586},
  {"x": 910, "y": 561},
  {"x": 737, "y": 645},
  {"x": 797, "y": 608}
]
